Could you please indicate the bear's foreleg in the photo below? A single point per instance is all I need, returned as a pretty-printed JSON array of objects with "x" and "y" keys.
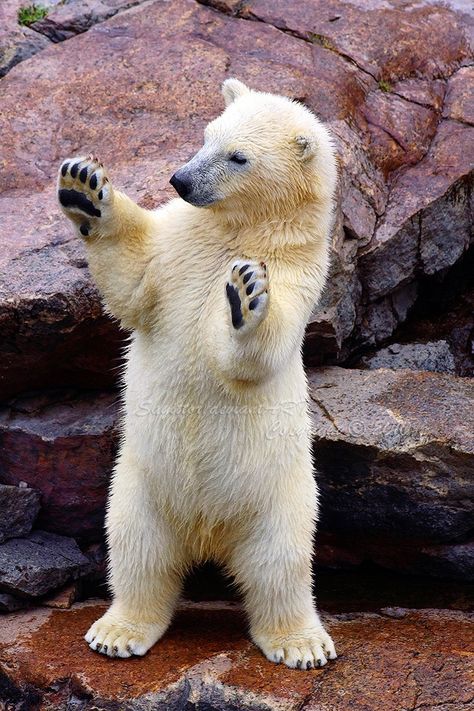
[
  {"x": 118, "y": 237},
  {"x": 146, "y": 562}
]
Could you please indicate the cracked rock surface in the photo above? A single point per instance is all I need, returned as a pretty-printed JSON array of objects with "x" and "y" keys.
[{"x": 402, "y": 118}]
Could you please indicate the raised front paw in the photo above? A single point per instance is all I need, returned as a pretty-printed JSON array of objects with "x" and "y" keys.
[
  {"x": 247, "y": 294},
  {"x": 84, "y": 192}
]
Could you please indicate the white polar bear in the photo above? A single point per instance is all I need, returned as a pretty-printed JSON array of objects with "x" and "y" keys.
[{"x": 215, "y": 461}]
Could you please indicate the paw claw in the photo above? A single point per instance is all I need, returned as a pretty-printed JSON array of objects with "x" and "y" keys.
[
  {"x": 122, "y": 637},
  {"x": 299, "y": 650}
]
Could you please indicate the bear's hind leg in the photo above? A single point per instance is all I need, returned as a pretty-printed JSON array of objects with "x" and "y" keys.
[
  {"x": 272, "y": 565},
  {"x": 145, "y": 569}
]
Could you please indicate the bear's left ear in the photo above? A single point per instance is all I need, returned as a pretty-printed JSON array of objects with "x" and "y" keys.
[
  {"x": 306, "y": 147},
  {"x": 232, "y": 89}
]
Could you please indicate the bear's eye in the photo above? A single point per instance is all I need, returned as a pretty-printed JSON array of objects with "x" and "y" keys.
[{"x": 238, "y": 158}]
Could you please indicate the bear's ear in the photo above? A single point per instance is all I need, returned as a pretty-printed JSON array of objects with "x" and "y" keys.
[
  {"x": 232, "y": 89},
  {"x": 306, "y": 147}
]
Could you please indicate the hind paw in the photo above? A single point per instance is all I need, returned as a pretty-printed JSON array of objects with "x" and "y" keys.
[
  {"x": 305, "y": 649},
  {"x": 121, "y": 637}
]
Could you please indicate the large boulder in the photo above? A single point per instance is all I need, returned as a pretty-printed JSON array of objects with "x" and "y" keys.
[
  {"x": 394, "y": 453},
  {"x": 398, "y": 107},
  {"x": 63, "y": 446},
  {"x": 399, "y": 659}
]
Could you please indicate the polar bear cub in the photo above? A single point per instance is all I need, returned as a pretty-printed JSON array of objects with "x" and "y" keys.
[{"x": 216, "y": 287}]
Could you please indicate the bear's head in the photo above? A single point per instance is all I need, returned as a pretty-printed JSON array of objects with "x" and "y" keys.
[{"x": 264, "y": 156}]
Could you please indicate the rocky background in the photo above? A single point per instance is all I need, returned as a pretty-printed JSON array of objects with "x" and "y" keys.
[{"x": 390, "y": 351}]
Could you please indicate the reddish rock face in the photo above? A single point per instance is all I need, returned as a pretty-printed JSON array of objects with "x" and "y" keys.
[
  {"x": 386, "y": 40},
  {"x": 398, "y": 105},
  {"x": 64, "y": 20},
  {"x": 391, "y": 661},
  {"x": 17, "y": 42},
  {"x": 62, "y": 447}
]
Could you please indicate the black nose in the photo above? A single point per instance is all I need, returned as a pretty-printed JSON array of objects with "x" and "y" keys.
[{"x": 182, "y": 187}]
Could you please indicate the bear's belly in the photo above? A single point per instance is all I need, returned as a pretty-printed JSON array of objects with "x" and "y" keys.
[{"x": 208, "y": 450}]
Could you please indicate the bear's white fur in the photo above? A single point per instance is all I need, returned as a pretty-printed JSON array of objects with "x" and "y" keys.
[{"x": 215, "y": 461}]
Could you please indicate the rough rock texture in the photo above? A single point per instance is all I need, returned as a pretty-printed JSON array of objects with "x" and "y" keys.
[
  {"x": 402, "y": 660},
  {"x": 396, "y": 483},
  {"x": 446, "y": 312},
  {"x": 19, "y": 507},
  {"x": 51, "y": 321},
  {"x": 406, "y": 181},
  {"x": 401, "y": 117},
  {"x": 63, "y": 446},
  {"x": 41, "y": 562},
  {"x": 434, "y": 356},
  {"x": 64, "y": 19},
  {"x": 17, "y": 42},
  {"x": 76, "y": 16},
  {"x": 10, "y": 603}
]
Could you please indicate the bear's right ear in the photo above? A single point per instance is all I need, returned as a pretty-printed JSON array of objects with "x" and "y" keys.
[{"x": 232, "y": 89}]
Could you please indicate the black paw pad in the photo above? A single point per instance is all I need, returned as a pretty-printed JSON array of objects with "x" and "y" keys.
[
  {"x": 75, "y": 169},
  {"x": 73, "y": 198},
  {"x": 83, "y": 175},
  {"x": 64, "y": 169},
  {"x": 93, "y": 181},
  {"x": 250, "y": 288},
  {"x": 84, "y": 229},
  {"x": 242, "y": 269},
  {"x": 235, "y": 305},
  {"x": 100, "y": 195},
  {"x": 253, "y": 304},
  {"x": 248, "y": 276}
]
